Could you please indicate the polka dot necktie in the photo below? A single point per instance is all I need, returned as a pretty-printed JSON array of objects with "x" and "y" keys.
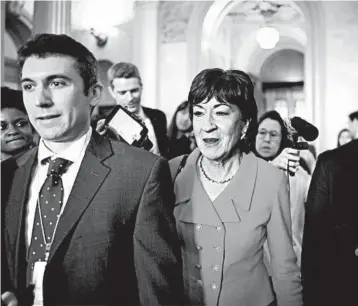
[{"x": 47, "y": 213}]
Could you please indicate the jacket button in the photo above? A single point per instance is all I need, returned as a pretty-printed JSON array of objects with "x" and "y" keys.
[
  {"x": 198, "y": 266},
  {"x": 199, "y": 282},
  {"x": 214, "y": 286},
  {"x": 199, "y": 247},
  {"x": 216, "y": 268},
  {"x": 198, "y": 227}
]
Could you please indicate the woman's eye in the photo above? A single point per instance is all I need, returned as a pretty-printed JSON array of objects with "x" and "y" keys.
[
  {"x": 197, "y": 113},
  {"x": 3, "y": 126},
  {"x": 222, "y": 113},
  {"x": 22, "y": 123}
]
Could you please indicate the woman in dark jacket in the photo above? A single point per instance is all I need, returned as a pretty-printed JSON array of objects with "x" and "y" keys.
[{"x": 180, "y": 132}]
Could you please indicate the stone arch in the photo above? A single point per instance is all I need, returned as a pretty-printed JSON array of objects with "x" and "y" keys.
[{"x": 208, "y": 15}]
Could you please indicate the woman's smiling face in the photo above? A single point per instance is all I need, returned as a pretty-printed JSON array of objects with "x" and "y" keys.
[{"x": 217, "y": 128}]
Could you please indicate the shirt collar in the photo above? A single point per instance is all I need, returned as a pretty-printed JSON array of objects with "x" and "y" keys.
[
  {"x": 141, "y": 113},
  {"x": 72, "y": 153}
]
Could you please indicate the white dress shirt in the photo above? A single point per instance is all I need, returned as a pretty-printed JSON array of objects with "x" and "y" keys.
[
  {"x": 151, "y": 133},
  {"x": 74, "y": 153}
]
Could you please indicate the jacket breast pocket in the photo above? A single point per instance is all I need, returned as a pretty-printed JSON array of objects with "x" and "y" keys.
[{"x": 92, "y": 240}]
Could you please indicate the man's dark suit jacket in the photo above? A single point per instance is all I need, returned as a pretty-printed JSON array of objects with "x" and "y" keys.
[
  {"x": 329, "y": 263},
  {"x": 116, "y": 242},
  {"x": 159, "y": 122}
]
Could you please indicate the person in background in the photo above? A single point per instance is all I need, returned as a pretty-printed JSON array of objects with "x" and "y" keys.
[
  {"x": 271, "y": 144},
  {"x": 229, "y": 202},
  {"x": 86, "y": 220},
  {"x": 180, "y": 132},
  {"x": 126, "y": 88},
  {"x": 17, "y": 134},
  {"x": 353, "y": 124},
  {"x": 344, "y": 136},
  {"x": 330, "y": 237}
]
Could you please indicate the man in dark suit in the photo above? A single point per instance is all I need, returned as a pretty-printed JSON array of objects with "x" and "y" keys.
[
  {"x": 330, "y": 239},
  {"x": 126, "y": 88},
  {"x": 86, "y": 220}
]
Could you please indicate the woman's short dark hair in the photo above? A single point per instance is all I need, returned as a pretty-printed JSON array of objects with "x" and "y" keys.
[
  {"x": 44, "y": 45},
  {"x": 173, "y": 128},
  {"x": 274, "y": 115},
  {"x": 228, "y": 86},
  {"x": 11, "y": 98}
]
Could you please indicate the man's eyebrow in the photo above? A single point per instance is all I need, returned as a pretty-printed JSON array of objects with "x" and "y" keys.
[
  {"x": 26, "y": 80},
  {"x": 49, "y": 78},
  {"x": 57, "y": 76}
]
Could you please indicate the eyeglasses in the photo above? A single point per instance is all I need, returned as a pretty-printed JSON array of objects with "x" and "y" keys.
[{"x": 273, "y": 134}]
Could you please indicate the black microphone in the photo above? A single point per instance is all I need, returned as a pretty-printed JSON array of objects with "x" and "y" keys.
[{"x": 305, "y": 129}]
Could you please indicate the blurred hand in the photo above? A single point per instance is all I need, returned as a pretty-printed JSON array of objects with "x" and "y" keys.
[
  {"x": 9, "y": 299},
  {"x": 288, "y": 160},
  {"x": 102, "y": 129}
]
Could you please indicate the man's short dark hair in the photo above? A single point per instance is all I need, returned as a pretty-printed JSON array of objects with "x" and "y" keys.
[
  {"x": 11, "y": 98},
  {"x": 123, "y": 70},
  {"x": 353, "y": 116},
  {"x": 44, "y": 45}
]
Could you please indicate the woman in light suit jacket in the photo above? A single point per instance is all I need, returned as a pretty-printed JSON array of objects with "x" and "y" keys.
[{"x": 229, "y": 202}]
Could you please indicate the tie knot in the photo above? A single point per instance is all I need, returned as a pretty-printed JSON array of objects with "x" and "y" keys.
[{"x": 57, "y": 166}]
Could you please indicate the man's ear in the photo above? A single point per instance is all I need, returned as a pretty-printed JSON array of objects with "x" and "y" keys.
[{"x": 96, "y": 93}]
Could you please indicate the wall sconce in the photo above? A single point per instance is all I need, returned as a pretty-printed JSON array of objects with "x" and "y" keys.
[
  {"x": 101, "y": 38},
  {"x": 101, "y": 18}
]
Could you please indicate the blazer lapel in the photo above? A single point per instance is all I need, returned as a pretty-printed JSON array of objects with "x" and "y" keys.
[
  {"x": 16, "y": 207},
  {"x": 192, "y": 202},
  {"x": 241, "y": 189},
  {"x": 90, "y": 177}
]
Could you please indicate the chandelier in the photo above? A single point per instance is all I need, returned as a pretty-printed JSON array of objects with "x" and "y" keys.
[{"x": 267, "y": 37}]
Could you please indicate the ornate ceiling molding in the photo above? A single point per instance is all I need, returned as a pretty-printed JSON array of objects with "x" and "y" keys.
[{"x": 173, "y": 20}]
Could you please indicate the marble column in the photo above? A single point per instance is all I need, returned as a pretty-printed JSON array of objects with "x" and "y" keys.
[
  {"x": 146, "y": 48},
  {"x": 3, "y": 9},
  {"x": 52, "y": 17}
]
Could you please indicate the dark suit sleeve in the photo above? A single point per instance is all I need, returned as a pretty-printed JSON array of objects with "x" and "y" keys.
[
  {"x": 156, "y": 246},
  {"x": 164, "y": 141},
  {"x": 315, "y": 246}
]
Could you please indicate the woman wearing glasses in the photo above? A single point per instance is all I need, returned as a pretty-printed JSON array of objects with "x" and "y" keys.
[{"x": 272, "y": 145}]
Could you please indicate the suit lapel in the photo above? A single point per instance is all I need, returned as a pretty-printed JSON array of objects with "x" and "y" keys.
[
  {"x": 240, "y": 190},
  {"x": 193, "y": 203},
  {"x": 89, "y": 179},
  {"x": 16, "y": 207}
]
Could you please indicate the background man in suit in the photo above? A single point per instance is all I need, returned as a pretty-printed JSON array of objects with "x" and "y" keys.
[
  {"x": 99, "y": 230},
  {"x": 126, "y": 88},
  {"x": 330, "y": 238}
]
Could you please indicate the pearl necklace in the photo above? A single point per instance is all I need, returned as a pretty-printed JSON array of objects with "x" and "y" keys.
[{"x": 210, "y": 179}]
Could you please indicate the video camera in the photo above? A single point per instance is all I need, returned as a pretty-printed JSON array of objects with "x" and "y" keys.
[{"x": 298, "y": 127}]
